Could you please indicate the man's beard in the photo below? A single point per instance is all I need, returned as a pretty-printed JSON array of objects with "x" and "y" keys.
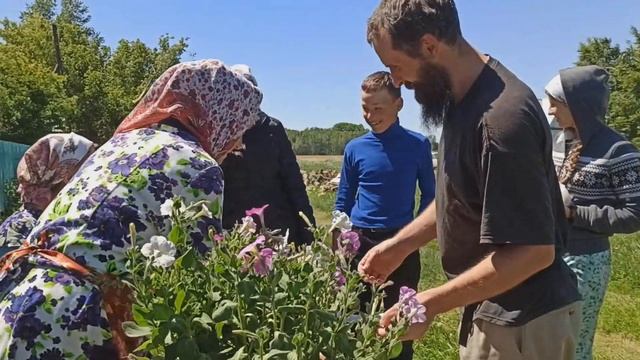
[{"x": 433, "y": 93}]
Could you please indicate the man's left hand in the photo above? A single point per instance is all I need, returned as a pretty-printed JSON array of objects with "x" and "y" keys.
[{"x": 414, "y": 332}]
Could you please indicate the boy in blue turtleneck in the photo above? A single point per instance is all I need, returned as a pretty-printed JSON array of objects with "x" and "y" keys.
[{"x": 378, "y": 180}]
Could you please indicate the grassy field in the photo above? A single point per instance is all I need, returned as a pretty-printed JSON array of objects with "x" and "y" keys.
[
  {"x": 318, "y": 162},
  {"x": 618, "y": 336}
]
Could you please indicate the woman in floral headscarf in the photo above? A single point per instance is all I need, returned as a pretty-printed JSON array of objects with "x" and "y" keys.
[
  {"x": 66, "y": 301},
  {"x": 44, "y": 169}
]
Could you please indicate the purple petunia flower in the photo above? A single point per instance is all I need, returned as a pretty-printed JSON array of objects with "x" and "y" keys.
[
  {"x": 350, "y": 241},
  {"x": 339, "y": 278},
  {"x": 259, "y": 212},
  {"x": 264, "y": 262},
  {"x": 410, "y": 308},
  {"x": 260, "y": 256},
  {"x": 252, "y": 247}
]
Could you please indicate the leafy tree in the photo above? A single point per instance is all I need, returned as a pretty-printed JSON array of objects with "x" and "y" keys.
[
  {"x": 624, "y": 67},
  {"x": 98, "y": 86}
]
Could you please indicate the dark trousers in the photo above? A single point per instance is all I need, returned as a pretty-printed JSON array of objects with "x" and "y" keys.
[{"x": 408, "y": 274}]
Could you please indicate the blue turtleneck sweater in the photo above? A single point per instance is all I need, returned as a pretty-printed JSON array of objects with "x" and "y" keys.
[{"x": 379, "y": 175}]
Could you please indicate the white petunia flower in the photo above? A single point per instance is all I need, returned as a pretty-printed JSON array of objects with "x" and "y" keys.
[
  {"x": 248, "y": 225},
  {"x": 164, "y": 261},
  {"x": 161, "y": 250},
  {"x": 341, "y": 221}
]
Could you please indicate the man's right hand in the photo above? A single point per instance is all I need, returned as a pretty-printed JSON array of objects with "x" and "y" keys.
[{"x": 379, "y": 262}]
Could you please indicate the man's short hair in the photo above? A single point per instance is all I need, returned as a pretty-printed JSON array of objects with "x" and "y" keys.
[{"x": 407, "y": 21}]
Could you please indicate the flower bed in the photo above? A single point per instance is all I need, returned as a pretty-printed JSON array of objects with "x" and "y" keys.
[{"x": 254, "y": 296}]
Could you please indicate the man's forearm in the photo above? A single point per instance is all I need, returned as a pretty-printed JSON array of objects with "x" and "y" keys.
[
  {"x": 419, "y": 232},
  {"x": 502, "y": 270}
]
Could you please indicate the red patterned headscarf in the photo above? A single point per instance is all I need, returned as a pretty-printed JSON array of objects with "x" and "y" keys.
[
  {"x": 214, "y": 103},
  {"x": 48, "y": 165}
]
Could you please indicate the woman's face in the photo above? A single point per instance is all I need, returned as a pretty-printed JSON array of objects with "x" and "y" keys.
[{"x": 561, "y": 112}]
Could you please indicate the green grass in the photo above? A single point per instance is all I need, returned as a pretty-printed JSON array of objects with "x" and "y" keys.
[
  {"x": 618, "y": 336},
  {"x": 319, "y": 162}
]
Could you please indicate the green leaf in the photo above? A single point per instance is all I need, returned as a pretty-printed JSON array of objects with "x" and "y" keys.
[
  {"x": 188, "y": 349},
  {"x": 280, "y": 341},
  {"x": 132, "y": 329},
  {"x": 215, "y": 297},
  {"x": 136, "y": 357},
  {"x": 139, "y": 314},
  {"x": 183, "y": 162},
  {"x": 161, "y": 312},
  {"x": 188, "y": 260},
  {"x": 343, "y": 344},
  {"x": 395, "y": 350},
  {"x": 219, "y": 268},
  {"x": 142, "y": 347},
  {"x": 279, "y": 297},
  {"x": 224, "y": 312},
  {"x": 247, "y": 288},
  {"x": 219, "y": 327},
  {"x": 284, "y": 281},
  {"x": 205, "y": 320},
  {"x": 175, "y": 235},
  {"x": 112, "y": 267},
  {"x": 291, "y": 309},
  {"x": 179, "y": 301},
  {"x": 215, "y": 208},
  {"x": 274, "y": 353},
  {"x": 324, "y": 315},
  {"x": 246, "y": 333},
  {"x": 239, "y": 355}
]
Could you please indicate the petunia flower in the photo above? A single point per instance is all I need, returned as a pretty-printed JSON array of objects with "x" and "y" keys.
[
  {"x": 350, "y": 242},
  {"x": 410, "y": 308},
  {"x": 340, "y": 279},
  {"x": 160, "y": 250},
  {"x": 263, "y": 263},
  {"x": 340, "y": 221},
  {"x": 248, "y": 226},
  {"x": 259, "y": 212}
]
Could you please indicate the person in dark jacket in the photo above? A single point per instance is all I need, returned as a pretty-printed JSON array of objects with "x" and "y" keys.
[{"x": 266, "y": 172}]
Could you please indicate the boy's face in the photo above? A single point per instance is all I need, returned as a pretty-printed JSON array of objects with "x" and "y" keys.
[{"x": 380, "y": 109}]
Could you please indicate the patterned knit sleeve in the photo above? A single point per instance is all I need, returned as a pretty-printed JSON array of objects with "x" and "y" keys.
[{"x": 623, "y": 215}]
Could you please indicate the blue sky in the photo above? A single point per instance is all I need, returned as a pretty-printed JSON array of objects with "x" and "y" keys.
[{"x": 310, "y": 56}]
